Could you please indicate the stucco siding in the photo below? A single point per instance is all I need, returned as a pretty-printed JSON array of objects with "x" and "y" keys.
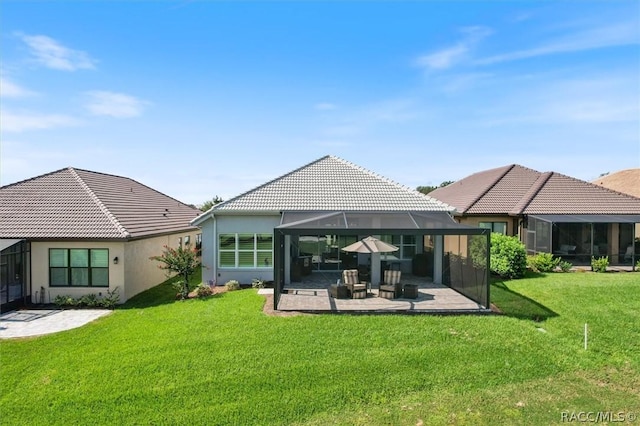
[
  {"x": 229, "y": 225},
  {"x": 40, "y": 270},
  {"x": 141, "y": 272}
]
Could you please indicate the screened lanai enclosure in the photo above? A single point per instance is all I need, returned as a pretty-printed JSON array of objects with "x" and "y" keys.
[
  {"x": 578, "y": 238},
  {"x": 433, "y": 251}
]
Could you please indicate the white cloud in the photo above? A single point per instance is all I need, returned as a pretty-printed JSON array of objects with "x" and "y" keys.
[
  {"x": 52, "y": 54},
  {"x": 111, "y": 104},
  {"x": 450, "y": 56},
  {"x": 21, "y": 122},
  {"x": 9, "y": 89},
  {"x": 620, "y": 34},
  {"x": 325, "y": 106}
]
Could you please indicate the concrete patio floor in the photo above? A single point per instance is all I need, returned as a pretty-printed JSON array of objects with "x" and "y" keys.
[{"x": 312, "y": 295}]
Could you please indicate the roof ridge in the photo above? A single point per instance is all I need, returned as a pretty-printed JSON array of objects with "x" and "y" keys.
[
  {"x": 388, "y": 180},
  {"x": 600, "y": 186},
  {"x": 34, "y": 177},
  {"x": 494, "y": 183},
  {"x": 133, "y": 180},
  {"x": 533, "y": 190},
  {"x": 263, "y": 185},
  {"x": 99, "y": 203}
]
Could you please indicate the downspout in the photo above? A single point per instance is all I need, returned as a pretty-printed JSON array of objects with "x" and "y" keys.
[{"x": 215, "y": 249}]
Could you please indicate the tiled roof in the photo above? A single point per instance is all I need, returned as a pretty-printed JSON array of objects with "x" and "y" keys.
[
  {"x": 330, "y": 184},
  {"x": 79, "y": 204},
  {"x": 518, "y": 190},
  {"x": 625, "y": 181}
]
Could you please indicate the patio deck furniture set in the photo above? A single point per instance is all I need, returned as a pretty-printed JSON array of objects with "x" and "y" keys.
[{"x": 352, "y": 288}]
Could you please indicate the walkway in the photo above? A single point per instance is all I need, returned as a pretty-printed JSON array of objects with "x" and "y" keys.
[{"x": 36, "y": 322}]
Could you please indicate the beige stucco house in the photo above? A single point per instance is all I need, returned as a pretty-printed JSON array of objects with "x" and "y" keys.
[
  {"x": 550, "y": 212},
  {"x": 75, "y": 232}
]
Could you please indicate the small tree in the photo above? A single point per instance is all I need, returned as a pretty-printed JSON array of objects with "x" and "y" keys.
[
  {"x": 182, "y": 261},
  {"x": 210, "y": 203}
]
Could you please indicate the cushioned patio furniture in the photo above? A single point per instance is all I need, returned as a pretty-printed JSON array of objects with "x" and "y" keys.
[
  {"x": 391, "y": 287},
  {"x": 351, "y": 281}
]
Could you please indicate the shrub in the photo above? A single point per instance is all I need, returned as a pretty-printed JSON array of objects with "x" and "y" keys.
[
  {"x": 599, "y": 264},
  {"x": 565, "y": 266},
  {"x": 508, "y": 256},
  {"x": 89, "y": 300},
  {"x": 111, "y": 299},
  {"x": 63, "y": 300},
  {"x": 543, "y": 262},
  {"x": 232, "y": 285},
  {"x": 257, "y": 283},
  {"x": 203, "y": 290},
  {"x": 638, "y": 265}
]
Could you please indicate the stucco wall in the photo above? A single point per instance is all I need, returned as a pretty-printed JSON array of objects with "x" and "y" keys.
[
  {"x": 475, "y": 221},
  {"x": 142, "y": 273},
  {"x": 134, "y": 273},
  {"x": 40, "y": 270},
  {"x": 233, "y": 224}
]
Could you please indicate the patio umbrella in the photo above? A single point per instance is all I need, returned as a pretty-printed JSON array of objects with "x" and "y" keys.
[{"x": 370, "y": 245}]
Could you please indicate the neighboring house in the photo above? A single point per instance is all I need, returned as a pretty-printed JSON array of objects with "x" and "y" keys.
[
  {"x": 550, "y": 212},
  {"x": 297, "y": 224},
  {"x": 625, "y": 181},
  {"x": 75, "y": 232}
]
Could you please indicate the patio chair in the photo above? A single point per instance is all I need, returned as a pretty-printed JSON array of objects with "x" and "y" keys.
[
  {"x": 351, "y": 280},
  {"x": 391, "y": 288},
  {"x": 628, "y": 255}
]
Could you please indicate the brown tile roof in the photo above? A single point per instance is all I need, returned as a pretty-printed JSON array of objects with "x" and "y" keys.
[
  {"x": 625, "y": 181},
  {"x": 79, "y": 204},
  {"x": 518, "y": 190}
]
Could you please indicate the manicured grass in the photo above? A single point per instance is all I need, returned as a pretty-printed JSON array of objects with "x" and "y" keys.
[{"x": 222, "y": 361}]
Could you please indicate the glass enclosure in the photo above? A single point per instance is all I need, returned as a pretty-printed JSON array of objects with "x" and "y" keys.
[
  {"x": 578, "y": 242},
  {"x": 465, "y": 266},
  {"x": 13, "y": 275}
]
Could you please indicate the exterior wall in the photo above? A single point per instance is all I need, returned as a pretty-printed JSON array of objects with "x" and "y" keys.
[
  {"x": 40, "y": 269},
  {"x": 233, "y": 224},
  {"x": 475, "y": 221},
  {"x": 134, "y": 273},
  {"x": 143, "y": 273}
]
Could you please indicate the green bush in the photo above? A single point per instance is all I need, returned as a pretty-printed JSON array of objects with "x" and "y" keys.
[
  {"x": 89, "y": 300},
  {"x": 543, "y": 262},
  {"x": 565, "y": 266},
  {"x": 203, "y": 290},
  {"x": 638, "y": 265},
  {"x": 508, "y": 256},
  {"x": 257, "y": 283},
  {"x": 63, "y": 300},
  {"x": 232, "y": 285},
  {"x": 599, "y": 264},
  {"x": 111, "y": 299}
]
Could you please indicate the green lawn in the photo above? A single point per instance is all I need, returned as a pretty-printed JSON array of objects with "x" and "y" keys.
[{"x": 222, "y": 361}]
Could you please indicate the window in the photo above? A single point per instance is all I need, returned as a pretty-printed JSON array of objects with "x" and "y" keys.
[
  {"x": 79, "y": 267},
  {"x": 499, "y": 227},
  {"x": 406, "y": 244},
  {"x": 245, "y": 250}
]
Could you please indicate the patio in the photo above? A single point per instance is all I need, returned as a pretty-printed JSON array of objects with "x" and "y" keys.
[{"x": 312, "y": 295}]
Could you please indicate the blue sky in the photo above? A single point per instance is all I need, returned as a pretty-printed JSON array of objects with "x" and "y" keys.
[{"x": 198, "y": 99}]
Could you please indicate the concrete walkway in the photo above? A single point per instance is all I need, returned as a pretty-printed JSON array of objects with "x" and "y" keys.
[{"x": 36, "y": 322}]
